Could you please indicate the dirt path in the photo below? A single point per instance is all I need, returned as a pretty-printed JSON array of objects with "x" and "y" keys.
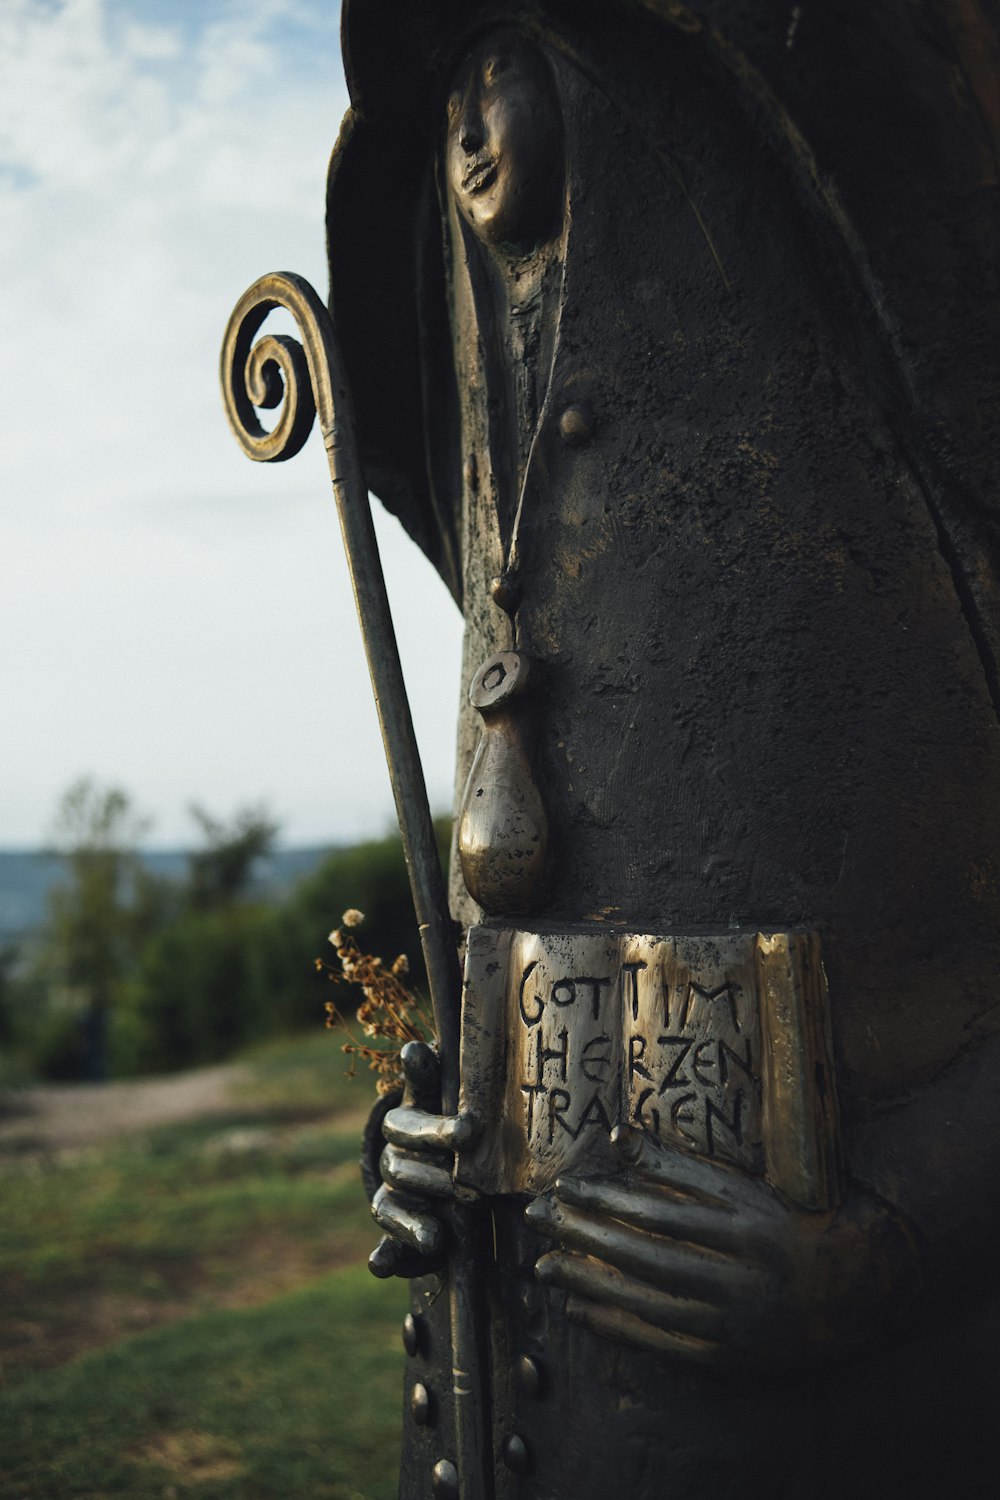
[{"x": 60, "y": 1117}]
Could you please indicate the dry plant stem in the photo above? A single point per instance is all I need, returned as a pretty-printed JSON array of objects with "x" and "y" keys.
[{"x": 389, "y": 1011}]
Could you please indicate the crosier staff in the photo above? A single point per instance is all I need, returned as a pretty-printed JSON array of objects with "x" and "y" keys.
[{"x": 303, "y": 379}]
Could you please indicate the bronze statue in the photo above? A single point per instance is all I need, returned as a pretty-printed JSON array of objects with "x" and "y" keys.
[{"x": 680, "y": 365}]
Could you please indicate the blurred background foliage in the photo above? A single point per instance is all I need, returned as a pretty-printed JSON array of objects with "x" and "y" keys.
[{"x": 134, "y": 972}]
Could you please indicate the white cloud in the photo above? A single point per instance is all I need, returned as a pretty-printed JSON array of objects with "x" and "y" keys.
[
  {"x": 137, "y": 196},
  {"x": 155, "y": 159},
  {"x": 76, "y": 105}
]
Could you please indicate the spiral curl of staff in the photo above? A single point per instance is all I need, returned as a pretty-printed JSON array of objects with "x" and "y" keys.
[
  {"x": 304, "y": 379},
  {"x": 277, "y": 370}
]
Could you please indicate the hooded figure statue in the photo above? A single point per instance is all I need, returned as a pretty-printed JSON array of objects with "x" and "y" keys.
[{"x": 672, "y": 338}]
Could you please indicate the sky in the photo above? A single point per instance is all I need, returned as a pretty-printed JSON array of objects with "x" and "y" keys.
[{"x": 175, "y": 619}]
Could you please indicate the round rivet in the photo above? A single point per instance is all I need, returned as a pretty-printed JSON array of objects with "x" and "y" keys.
[
  {"x": 411, "y": 1334},
  {"x": 531, "y": 1303},
  {"x": 515, "y": 1454},
  {"x": 529, "y": 1376},
  {"x": 575, "y": 426},
  {"x": 420, "y": 1404},
  {"x": 444, "y": 1480}
]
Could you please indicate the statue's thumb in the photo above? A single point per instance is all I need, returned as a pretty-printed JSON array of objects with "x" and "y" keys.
[{"x": 421, "y": 1077}]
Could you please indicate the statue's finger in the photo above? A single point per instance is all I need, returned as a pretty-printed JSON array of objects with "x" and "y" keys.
[
  {"x": 417, "y": 1129},
  {"x": 385, "y": 1257},
  {"x": 660, "y": 1211},
  {"x": 415, "y": 1174},
  {"x": 609, "y": 1287},
  {"x": 685, "y": 1270},
  {"x": 392, "y": 1258},
  {"x": 679, "y": 1170},
  {"x": 421, "y": 1076},
  {"x": 422, "y": 1232},
  {"x": 626, "y": 1328}
]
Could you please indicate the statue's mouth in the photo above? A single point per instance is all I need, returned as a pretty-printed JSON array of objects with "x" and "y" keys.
[{"x": 481, "y": 175}]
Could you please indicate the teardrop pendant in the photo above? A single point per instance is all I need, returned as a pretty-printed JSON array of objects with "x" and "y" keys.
[{"x": 503, "y": 828}]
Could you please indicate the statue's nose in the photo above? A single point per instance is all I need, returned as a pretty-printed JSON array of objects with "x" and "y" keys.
[{"x": 470, "y": 130}]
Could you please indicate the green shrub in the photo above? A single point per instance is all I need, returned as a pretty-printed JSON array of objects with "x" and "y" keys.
[
  {"x": 57, "y": 1048},
  {"x": 206, "y": 980},
  {"x": 199, "y": 992}
]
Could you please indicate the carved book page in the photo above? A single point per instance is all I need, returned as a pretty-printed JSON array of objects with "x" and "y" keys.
[{"x": 716, "y": 1044}]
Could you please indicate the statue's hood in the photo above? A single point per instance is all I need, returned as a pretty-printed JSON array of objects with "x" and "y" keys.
[{"x": 887, "y": 118}]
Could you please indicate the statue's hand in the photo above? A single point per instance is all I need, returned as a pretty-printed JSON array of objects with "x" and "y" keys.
[
  {"x": 416, "y": 1169},
  {"x": 700, "y": 1261}
]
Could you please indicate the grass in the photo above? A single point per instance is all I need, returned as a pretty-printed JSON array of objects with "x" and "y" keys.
[
  {"x": 296, "y": 1397},
  {"x": 187, "y": 1312}
]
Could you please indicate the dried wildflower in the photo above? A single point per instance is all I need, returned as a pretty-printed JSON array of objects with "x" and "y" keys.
[{"x": 390, "y": 1015}]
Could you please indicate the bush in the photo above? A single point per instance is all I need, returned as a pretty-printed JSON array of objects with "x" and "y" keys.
[
  {"x": 203, "y": 980},
  {"x": 369, "y": 876},
  {"x": 211, "y": 981},
  {"x": 58, "y": 1047},
  {"x": 199, "y": 992}
]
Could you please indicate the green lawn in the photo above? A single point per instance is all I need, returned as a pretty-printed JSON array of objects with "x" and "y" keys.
[{"x": 188, "y": 1312}]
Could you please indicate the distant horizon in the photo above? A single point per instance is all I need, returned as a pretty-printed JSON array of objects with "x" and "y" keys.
[
  {"x": 282, "y": 845},
  {"x": 28, "y": 877}
]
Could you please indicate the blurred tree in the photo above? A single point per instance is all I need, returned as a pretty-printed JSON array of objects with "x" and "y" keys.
[
  {"x": 8, "y": 965},
  {"x": 100, "y": 914},
  {"x": 163, "y": 974},
  {"x": 205, "y": 979},
  {"x": 224, "y": 869}
]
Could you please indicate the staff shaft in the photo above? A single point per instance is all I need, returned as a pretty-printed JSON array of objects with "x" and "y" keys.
[{"x": 313, "y": 378}]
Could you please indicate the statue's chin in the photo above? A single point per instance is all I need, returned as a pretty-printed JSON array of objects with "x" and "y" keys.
[
  {"x": 508, "y": 219},
  {"x": 513, "y": 239}
]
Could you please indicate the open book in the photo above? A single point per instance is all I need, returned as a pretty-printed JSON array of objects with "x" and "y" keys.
[{"x": 714, "y": 1043}]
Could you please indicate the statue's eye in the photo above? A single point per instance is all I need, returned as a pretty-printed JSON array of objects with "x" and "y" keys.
[
  {"x": 454, "y": 106},
  {"x": 494, "y": 65}
]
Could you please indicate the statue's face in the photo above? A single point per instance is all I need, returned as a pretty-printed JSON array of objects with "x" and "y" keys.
[{"x": 504, "y": 152}]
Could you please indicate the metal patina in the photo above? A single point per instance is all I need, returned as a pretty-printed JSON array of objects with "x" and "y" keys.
[{"x": 670, "y": 334}]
